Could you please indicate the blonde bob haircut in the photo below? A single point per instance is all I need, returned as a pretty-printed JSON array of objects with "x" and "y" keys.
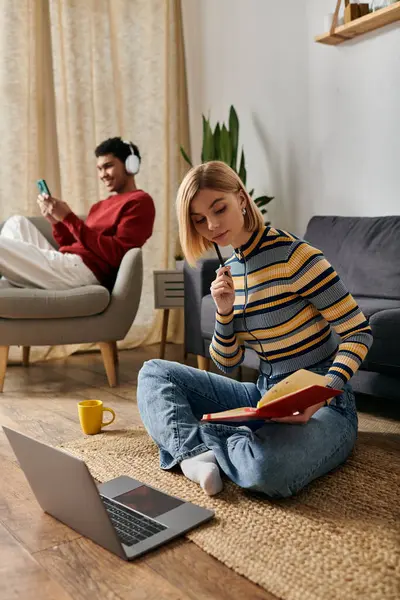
[{"x": 213, "y": 175}]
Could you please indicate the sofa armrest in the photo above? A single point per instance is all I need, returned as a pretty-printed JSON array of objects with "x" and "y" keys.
[{"x": 197, "y": 282}]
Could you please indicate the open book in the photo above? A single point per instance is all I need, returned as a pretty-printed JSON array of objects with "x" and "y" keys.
[{"x": 291, "y": 395}]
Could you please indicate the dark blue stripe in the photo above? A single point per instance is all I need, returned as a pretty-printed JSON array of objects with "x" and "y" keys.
[
  {"x": 354, "y": 310},
  {"x": 320, "y": 290},
  {"x": 297, "y": 246},
  {"x": 288, "y": 320},
  {"x": 275, "y": 245},
  {"x": 316, "y": 280},
  {"x": 302, "y": 353},
  {"x": 256, "y": 331},
  {"x": 351, "y": 353},
  {"x": 355, "y": 329},
  {"x": 267, "y": 309},
  {"x": 225, "y": 344},
  {"x": 335, "y": 301},
  {"x": 333, "y": 371},
  {"x": 225, "y": 356},
  {"x": 344, "y": 367},
  {"x": 306, "y": 341}
]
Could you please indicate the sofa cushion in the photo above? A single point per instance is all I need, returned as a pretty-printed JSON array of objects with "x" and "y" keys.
[
  {"x": 364, "y": 251},
  {"x": 33, "y": 303},
  {"x": 372, "y": 306}
]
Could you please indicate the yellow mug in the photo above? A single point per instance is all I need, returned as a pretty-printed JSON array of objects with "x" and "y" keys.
[{"x": 91, "y": 416}]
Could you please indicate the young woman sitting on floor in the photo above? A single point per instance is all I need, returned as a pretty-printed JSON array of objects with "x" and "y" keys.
[{"x": 280, "y": 296}]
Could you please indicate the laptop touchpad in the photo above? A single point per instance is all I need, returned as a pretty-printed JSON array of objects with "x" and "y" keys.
[{"x": 148, "y": 501}]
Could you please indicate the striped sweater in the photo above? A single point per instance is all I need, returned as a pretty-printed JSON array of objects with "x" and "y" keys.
[{"x": 289, "y": 302}]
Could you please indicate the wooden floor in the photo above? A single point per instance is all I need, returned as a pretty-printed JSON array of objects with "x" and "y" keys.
[{"x": 42, "y": 559}]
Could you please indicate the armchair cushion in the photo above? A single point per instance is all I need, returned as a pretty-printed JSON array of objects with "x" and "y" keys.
[{"x": 33, "y": 303}]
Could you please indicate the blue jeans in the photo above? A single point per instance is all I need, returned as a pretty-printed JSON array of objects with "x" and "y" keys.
[{"x": 274, "y": 458}]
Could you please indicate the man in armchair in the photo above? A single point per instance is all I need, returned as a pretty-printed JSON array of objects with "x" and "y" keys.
[{"x": 90, "y": 251}]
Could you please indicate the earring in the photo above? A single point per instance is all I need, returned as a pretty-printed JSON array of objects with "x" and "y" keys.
[{"x": 244, "y": 211}]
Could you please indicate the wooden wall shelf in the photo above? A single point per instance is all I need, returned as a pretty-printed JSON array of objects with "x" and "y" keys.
[{"x": 358, "y": 27}]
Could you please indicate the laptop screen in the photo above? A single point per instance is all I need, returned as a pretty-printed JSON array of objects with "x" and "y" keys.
[{"x": 148, "y": 501}]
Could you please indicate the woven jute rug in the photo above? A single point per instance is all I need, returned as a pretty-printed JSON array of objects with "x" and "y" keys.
[{"x": 337, "y": 540}]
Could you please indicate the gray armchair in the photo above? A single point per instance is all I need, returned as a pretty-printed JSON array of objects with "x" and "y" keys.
[{"x": 89, "y": 314}]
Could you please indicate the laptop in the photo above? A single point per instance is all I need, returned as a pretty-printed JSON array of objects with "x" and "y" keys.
[{"x": 123, "y": 515}]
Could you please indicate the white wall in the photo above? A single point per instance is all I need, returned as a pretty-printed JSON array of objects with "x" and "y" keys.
[
  {"x": 354, "y": 93},
  {"x": 318, "y": 123}
]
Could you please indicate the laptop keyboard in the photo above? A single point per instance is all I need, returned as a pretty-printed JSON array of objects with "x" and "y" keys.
[{"x": 131, "y": 528}]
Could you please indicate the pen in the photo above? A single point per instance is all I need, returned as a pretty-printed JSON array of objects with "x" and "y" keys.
[{"x": 221, "y": 260}]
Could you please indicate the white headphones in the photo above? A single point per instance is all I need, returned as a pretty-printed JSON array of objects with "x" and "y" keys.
[{"x": 132, "y": 163}]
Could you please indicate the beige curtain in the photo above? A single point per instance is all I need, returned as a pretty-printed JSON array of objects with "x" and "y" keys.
[{"x": 73, "y": 73}]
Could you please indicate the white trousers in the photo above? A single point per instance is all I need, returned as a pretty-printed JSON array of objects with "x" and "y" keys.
[{"x": 27, "y": 259}]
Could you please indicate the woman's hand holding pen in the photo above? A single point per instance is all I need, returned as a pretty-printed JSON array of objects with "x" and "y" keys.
[{"x": 223, "y": 291}]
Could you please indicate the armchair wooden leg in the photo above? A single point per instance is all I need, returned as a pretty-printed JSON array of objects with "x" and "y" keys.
[
  {"x": 203, "y": 363},
  {"x": 3, "y": 364},
  {"x": 115, "y": 352},
  {"x": 107, "y": 353},
  {"x": 26, "y": 350}
]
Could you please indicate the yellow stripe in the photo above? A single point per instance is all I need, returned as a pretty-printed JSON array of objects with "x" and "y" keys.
[
  {"x": 284, "y": 270},
  {"x": 346, "y": 360},
  {"x": 267, "y": 304},
  {"x": 287, "y": 237},
  {"x": 255, "y": 242},
  {"x": 229, "y": 340},
  {"x": 224, "y": 319},
  {"x": 342, "y": 371},
  {"x": 336, "y": 311},
  {"x": 226, "y": 362},
  {"x": 282, "y": 344},
  {"x": 223, "y": 349},
  {"x": 311, "y": 274},
  {"x": 317, "y": 286},
  {"x": 309, "y": 345},
  {"x": 307, "y": 313},
  {"x": 356, "y": 320}
]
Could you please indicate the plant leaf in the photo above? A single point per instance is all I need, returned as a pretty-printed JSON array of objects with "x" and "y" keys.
[
  {"x": 208, "y": 142},
  {"x": 242, "y": 169},
  {"x": 185, "y": 156},
  {"x": 263, "y": 200},
  {"x": 234, "y": 135},
  {"x": 225, "y": 145},
  {"x": 251, "y": 193},
  {"x": 217, "y": 142}
]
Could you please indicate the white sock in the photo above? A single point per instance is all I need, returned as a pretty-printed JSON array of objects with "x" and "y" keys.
[{"x": 203, "y": 469}]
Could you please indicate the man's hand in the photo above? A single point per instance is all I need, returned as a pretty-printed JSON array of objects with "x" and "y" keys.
[
  {"x": 44, "y": 206},
  {"x": 57, "y": 209}
]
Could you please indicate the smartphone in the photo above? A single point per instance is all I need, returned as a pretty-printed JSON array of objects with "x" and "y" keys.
[{"x": 43, "y": 188}]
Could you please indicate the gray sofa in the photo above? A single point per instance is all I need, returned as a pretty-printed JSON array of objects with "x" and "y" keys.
[{"x": 365, "y": 251}]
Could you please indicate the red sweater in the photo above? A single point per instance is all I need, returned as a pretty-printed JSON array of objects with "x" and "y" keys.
[{"x": 113, "y": 226}]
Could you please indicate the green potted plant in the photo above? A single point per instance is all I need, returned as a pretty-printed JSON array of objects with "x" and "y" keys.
[
  {"x": 222, "y": 144},
  {"x": 179, "y": 260}
]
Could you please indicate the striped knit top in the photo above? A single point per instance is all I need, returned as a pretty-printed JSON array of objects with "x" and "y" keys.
[{"x": 289, "y": 305}]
